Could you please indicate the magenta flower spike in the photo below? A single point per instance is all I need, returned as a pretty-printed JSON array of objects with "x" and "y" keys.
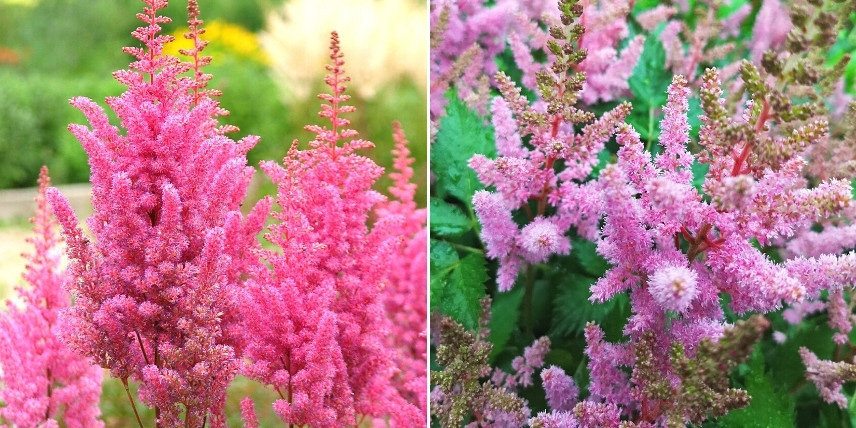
[
  {"x": 405, "y": 298},
  {"x": 44, "y": 381},
  {"x": 319, "y": 330},
  {"x": 155, "y": 288}
]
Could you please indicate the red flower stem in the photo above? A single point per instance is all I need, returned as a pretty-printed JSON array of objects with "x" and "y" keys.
[
  {"x": 50, "y": 392},
  {"x": 142, "y": 348},
  {"x": 701, "y": 242}
]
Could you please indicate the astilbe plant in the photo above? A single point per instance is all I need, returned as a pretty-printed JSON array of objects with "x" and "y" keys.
[
  {"x": 690, "y": 251},
  {"x": 468, "y": 38},
  {"x": 526, "y": 179},
  {"x": 316, "y": 308},
  {"x": 460, "y": 390},
  {"x": 44, "y": 381},
  {"x": 404, "y": 294},
  {"x": 155, "y": 291}
]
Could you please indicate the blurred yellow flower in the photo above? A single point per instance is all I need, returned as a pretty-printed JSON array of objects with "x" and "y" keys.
[
  {"x": 382, "y": 40},
  {"x": 20, "y": 2},
  {"x": 223, "y": 38}
]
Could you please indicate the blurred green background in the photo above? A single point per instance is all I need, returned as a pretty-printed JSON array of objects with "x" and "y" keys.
[{"x": 53, "y": 50}]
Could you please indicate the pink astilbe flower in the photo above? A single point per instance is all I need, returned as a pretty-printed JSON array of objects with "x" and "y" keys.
[
  {"x": 772, "y": 25},
  {"x": 688, "y": 48},
  {"x": 607, "y": 70},
  {"x": 469, "y": 36},
  {"x": 405, "y": 298},
  {"x": 317, "y": 313},
  {"x": 673, "y": 287},
  {"x": 524, "y": 366},
  {"x": 540, "y": 239},
  {"x": 561, "y": 390},
  {"x": 44, "y": 381},
  {"x": 155, "y": 289},
  {"x": 608, "y": 383},
  {"x": 828, "y": 376},
  {"x": 248, "y": 413}
]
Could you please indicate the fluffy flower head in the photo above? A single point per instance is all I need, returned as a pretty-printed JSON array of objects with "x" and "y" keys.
[{"x": 674, "y": 287}]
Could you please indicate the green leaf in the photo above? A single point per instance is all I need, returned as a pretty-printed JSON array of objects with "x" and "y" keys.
[
  {"x": 457, "y": 284},
  {"x": 503, "y": 318},
  {"x": 650, "y": 78},
  {"x": 447, "y": 219},
  {"x": 571, "y": 307},
  {"x": 851, "y": 409},
  {"x": 699, "y": 172},
  {"x": 649, "y": 83},
  {"x": 768, "y": 408},
  {"x": 442, "y": 257},
  {"x": 603, "y": 159},
  {"x": 586, "y": 252},
  {"x": 462, "y": 134}
]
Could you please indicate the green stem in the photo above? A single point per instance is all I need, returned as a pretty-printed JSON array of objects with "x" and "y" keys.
[
  {"x": 131, "y": 399},
  {"x": 466, "y": 248},
  {"x": 527, "y": 300},
  {"x": 650, "y": 129}
]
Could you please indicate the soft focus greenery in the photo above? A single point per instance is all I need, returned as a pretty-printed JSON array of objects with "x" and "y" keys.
[{"x": 47, "y": 58}]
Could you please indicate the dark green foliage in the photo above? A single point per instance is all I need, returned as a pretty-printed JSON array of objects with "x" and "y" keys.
[
  {"x": 462, "y": 134},
  {"x": 447, "y": 219},
  {"x": 769, "y": 406},
  {"x": 648, "y": 85},
  {"x": 457, "y": 284}
]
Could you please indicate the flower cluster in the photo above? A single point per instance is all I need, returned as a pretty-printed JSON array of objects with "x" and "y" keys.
[
  {"x": 740, "y": 204},
  {"x": 468, "y": 37},
  {"x": 318, "y": 313},
  {"x": 44, "y": 381},
  {"x": 155, "y": 291},
  {"x": 175, "y": 290},
  {"x": 525, "y": 179}
]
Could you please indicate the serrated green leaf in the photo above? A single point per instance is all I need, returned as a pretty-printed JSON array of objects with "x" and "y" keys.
[
  {"x": 768, "y": 408},
  {"x": 650, "y": 77},
  {"x": 571, "y": 307},
  {"x": 462, "y": 134},
  {"x": 447, "y": 219},
  {"x": 503, "y": 318},
  {"x": 457, "y": 284},
  {"x": 586, "y": 252},
  {"x": 784, "y": 362},
  {"x": 442, "y": 256}
]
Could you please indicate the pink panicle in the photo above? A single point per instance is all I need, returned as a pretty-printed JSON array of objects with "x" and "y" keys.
[
  {"x": 155, "y": 290},
  {"x": 827, "y": 376},
  {"x": 318, "y": 307},
  {"x": 607, "y": 70},
  {"x": 772, "y": 25},
  {"x": 562, "y": 392},
  {"x": 44, "y": 381},
  {"x": 405, "y": 295}
]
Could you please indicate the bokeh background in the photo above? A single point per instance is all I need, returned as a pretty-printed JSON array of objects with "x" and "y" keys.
[{"x": 268, "y": 59}]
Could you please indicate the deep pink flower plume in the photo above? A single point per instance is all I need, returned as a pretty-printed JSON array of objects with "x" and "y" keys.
[
  {"x": 155, "y": 289},
  {"x": 318, "y": 313},
  {"x": 44, "y": 381}
]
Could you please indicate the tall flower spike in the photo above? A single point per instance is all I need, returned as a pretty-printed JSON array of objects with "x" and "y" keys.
[
  {"x": 155, "y": 290},
  {"x": 405, "y": 295},
  {"x": 320, "y": 331},
  {"x": 44, "y": 381}
]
